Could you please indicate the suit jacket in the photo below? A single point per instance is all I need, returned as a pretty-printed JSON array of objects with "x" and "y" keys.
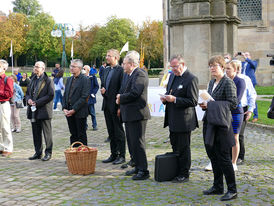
[
  {"x": 80, "y": 94},
  {"x": 250, "y": 70},
  {"x": 133, "y": 100},
  {"x": 109, "y": 101},
  {"x": 181, "y": 116},
  {"x": 43, "y": 100},
  {"x": 93, "y": 89}
]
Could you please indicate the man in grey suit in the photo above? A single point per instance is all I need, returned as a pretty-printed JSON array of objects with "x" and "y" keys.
[
  {"x": 181, "y": 98},
  {"x": 75, "y": 102},
  {"x": 135, "y": 113}
]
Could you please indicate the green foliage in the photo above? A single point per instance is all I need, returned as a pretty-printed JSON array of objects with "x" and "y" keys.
[
  {"x": 114, "y": 35},
  {"x": 151, "y": 39},
  {"x": 263, "y": 107},
  {"x": 27, "y": 7},
  {"x": 268, "y": 90},
  {"x": 13, "y": 28},
  {"x": 154, "y": 72},
  {"x": 40, "y": 43}
]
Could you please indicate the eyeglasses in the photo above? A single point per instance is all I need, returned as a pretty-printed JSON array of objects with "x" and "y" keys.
[
  {"x": 174, "y": 67},
  {"x": 213, "y": 66},
  {"x": 72, "y": 66}
]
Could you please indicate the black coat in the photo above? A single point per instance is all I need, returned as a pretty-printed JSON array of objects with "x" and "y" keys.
[
  {"x": 44, "y": 99},
  {"x": 109, "y": 101},
  {"x": 133, "y": 100},
  {"x": 79, "y": 98},
  {"x": 181, "y": 116}
]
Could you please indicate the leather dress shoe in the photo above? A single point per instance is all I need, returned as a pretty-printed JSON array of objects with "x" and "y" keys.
[
  {"x": 131, "y": 163},
  {"x": 35, "y": 157},
  {"x": 110, "y": 159},
  {"x": 47, "y": 157},
  {"x": 119, "y": 160},
  {"x": 107, "y": 140},
  {"x": 131, "y": 172},
  {"x": 141, "y": 175},
  {"x": 213, "y": 191},
  {"x": 229, "y": 196},
  {"x": 180, "y": 179}
]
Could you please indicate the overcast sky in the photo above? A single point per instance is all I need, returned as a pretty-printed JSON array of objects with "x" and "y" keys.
[{"x": 90, "y": 12}]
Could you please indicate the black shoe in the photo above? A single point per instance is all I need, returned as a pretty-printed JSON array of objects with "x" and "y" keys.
[
  {"x": 213, "y": 191},
  {"x": 119, "y": 160},
  {"x": 131, "y": 172},
  {"x": 131, "y": 163},
  {"x": 47, "y": 157},
  {"x": 141, "y": 175},
  {"x": 35, "y": 157},
  {"x": 95, "y": 128},
  {"x": 124, "y": 166},
  {"x": 240, "y": 161},
  {"x": 110, "y": 159},
  {"x": 229, "y": 196},
  {"x": 180, "y": 179},
  {"x": 107, "y": 140}
]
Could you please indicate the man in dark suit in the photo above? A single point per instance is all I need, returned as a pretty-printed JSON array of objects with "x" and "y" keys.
[
  {"x": 181, "y": 98},
  {"x": 135, "y": 113},
  {"x": 112, "y": 81},
  {"x": 39, "y": 97},
  {"x": 75, "y": 106}
]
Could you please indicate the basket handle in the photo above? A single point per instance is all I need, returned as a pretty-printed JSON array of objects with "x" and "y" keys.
[{"x": 81, "y": 144}]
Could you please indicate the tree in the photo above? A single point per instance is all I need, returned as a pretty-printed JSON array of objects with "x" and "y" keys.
[
  {"x": 14, "y": 29},
  {"x": 40, "y": 43},
  {"x": 151, "y": 39},
  {"x": 27, "y": 7},
  {"x": 85, "y": 42},
  {"x": 114, "y": 35}
]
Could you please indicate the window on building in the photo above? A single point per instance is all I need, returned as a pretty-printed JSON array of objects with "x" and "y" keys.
[{"x": 250, "y": 10}]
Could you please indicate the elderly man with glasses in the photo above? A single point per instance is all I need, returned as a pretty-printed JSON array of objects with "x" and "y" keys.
[{"x": 39, "y": 97}]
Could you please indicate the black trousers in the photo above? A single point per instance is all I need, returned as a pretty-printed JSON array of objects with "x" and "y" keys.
[
  {"x": 222, "y": 166},
  {"x": 77, "y": 129},
  {"x": 37, "y": 127},
  {"x": 135, "y": 132},
  {"x": 241, "y": 137},
  {"x": 180, "y": 142},
  {"x": 116, "y": 134}
]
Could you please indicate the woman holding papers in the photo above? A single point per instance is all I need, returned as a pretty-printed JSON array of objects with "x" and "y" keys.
[{"x": 217, "y": 128}]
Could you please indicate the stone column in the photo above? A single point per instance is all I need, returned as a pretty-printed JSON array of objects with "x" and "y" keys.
[{"x": 200, "y": 29}]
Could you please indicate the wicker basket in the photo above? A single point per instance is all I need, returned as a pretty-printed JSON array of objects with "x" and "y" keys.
[{"x": 81, "y": 160}]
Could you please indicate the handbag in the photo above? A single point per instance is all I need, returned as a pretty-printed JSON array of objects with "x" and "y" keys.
[{"x": 19, "y": 105}]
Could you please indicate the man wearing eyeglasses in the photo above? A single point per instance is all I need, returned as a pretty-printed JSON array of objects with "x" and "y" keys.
[
  {"x": 39, "y": 97},
  {"x": 75, "y": 102},
  {"x": 180, "y": 99},
  {"x": 110, "y": 86}
]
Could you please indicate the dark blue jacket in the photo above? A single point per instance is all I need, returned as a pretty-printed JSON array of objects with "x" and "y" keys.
[
  {"x": 93, "y": 89},
  {"x": 250, "y": 70}
]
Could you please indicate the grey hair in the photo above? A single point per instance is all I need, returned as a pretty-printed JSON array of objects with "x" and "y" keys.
[
  {"x": 179, "y": 58},
  {"x": 133, "y": 57},
  {"x": 115, "y": 53},
  {"x": 79, "y": 62},
  {"x": 42, "y": 64},
  {"x": 4, "y": 64}
]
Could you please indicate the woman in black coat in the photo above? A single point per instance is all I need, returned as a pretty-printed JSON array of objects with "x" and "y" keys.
[{"x": 217, "y": 129}]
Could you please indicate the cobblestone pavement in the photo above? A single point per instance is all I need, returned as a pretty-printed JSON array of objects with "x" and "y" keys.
[{"x": 25, "y": 182}]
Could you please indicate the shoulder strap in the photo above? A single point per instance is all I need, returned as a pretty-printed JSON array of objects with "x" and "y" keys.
[{"x": 5, "y": 80}]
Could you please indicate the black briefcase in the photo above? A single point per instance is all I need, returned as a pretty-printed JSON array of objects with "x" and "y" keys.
[{"x": 166, "y": 167}]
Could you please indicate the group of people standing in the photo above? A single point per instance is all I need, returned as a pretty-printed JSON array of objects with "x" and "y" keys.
[{"x": 124, "y": 90}]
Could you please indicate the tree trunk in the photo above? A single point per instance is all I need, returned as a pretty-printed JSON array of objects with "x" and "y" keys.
[
  {"x": 148, "y": 64},
  {"x": 15, "y": 60}
]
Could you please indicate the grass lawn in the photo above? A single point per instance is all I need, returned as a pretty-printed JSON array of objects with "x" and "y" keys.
[
  {"x": 263, "y": 107},
  {"x": 268, "y": 90}
]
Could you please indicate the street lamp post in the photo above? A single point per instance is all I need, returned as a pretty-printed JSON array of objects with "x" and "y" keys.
[{"x": 63, "y": 31}]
